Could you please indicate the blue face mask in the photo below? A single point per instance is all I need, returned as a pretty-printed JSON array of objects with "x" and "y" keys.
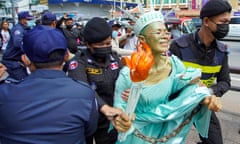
[
  {"x": 114, "y": 34},
  {"x": 31, "y": 24}
]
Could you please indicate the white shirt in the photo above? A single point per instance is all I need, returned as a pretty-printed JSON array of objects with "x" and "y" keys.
[{"x": 5, "y": 39}]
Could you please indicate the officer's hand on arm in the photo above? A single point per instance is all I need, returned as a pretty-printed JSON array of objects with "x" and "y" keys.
[
  {"x": 122, "y": 123},
  {"x": 125, "y": 94},
  {"x": 2, "y": 69},
  {"x": 110, "y": 112},
  {"x": 213, "y": 103}
]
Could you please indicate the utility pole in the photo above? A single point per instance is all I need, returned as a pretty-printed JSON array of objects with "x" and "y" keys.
[{"x": 13, "y": 11}]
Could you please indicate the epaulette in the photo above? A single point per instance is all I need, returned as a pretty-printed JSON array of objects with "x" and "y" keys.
[
  {"x": 183, "y": 41},
  {"x": 11, "y": 80},
  {"x": 222, "y": 47},
  {"x": 82, "y": 83}
]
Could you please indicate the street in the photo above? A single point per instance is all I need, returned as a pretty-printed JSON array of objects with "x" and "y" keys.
[{"x": 234, "y": 52}]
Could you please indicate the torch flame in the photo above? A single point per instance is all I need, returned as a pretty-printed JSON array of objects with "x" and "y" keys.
[{"x": 140, "y": 62}]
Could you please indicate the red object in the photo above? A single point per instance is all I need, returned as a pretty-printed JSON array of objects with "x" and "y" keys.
[
  {"x": 73, "y": 65},
  {"x": 114, "y": 65},
  {"x": 119, "y": 34},
  {"x": 193, "y": 4}
]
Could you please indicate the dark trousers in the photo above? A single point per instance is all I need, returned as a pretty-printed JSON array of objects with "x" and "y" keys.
[
  {"x": 102, "y": 136},
  {"x": 214, "y": 132}
]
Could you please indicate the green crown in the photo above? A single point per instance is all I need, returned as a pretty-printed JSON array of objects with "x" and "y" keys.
[{"x": 147, "y": 18}]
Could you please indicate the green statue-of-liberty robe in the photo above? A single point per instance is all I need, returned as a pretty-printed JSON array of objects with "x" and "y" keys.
[{"x": 156, "y": 115}]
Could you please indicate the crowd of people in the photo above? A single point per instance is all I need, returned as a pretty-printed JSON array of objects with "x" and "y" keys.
[{"x": 53, "y": 92}]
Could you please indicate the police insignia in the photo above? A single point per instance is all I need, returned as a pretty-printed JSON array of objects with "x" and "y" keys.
[
  {"x": 17, "y": 32},
  {"x": 114, "y": 65},
  {"x": 73, "y": 65}
]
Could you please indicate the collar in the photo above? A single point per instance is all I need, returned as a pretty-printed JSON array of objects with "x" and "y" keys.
[
  {"x": 47, "y": 74},
  {"x": 202, "y": 45},
  {"x": 91, "y": 60}
]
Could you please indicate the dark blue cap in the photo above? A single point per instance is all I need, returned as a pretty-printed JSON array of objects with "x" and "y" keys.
[
  {"x": 48, "y": 16},
  {"x": 214, "y": 8},
  {"x": 96, "y": 30},
  {"x": 25, "y": 15},
  {"x": 41, "y": 41}
]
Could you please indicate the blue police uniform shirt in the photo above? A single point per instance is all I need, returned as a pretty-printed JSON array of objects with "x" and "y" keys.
[
  {"x": 14, "y": 47},
  {"x": 47, "y": 108}
]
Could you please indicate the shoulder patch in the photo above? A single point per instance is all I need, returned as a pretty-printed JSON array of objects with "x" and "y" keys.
[
  {"x": 17, "y": 32},
  {"x": 73, "y": 65},
  {"x": 114, "y": 65}
]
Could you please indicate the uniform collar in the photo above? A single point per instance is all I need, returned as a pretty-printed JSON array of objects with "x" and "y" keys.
[
  {"x": 91, "y": 60},
  {"x": 202, "y": 45},
  {"x": 46, "y": 73}
]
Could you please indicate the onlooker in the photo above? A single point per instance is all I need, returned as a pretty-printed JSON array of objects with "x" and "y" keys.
[
  {"x": 203, "y": 50},
  {"x": 115, "y": 39},
  {"x": 131, "y": 41},
  {"x": 99, "y": 67},
  {"x": 12, "y": 56},
  {"x": 47, "y": 106},
  {"x": 72, "y": 34},
  {"x": 175, "y": 32},
  {"x": 4, "y": 35}
]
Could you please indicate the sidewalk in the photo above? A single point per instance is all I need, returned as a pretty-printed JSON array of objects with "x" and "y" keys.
[{"x": 229, "y": 118}]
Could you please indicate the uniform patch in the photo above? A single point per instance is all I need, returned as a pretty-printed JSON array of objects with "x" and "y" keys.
[
  {"x": 114, "y": 65},
  {"x": 94, "y": 71},
  {"x": 17, "y": 32},
  {"x": 73, "y": 65}
]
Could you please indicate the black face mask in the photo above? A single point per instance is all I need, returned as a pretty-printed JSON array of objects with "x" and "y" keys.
[
  {"x": 69, "y": 26},
  {"x": 222, "y": 30},
  {"x": 102, "y": 52}
]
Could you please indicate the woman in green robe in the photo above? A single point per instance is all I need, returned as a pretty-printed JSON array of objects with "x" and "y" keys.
[{"x": 160, "y": 119}]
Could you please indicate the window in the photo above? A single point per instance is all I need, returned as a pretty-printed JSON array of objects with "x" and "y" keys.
[
  {"x": 182, "y": 1},
  {"x": 165, "y": 1},
  {"x": 235, "y": 20},
  {"x": 173, "y": 1}
]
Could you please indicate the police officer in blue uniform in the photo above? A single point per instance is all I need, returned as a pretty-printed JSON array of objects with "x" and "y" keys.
[
  {"x": 12, "y": 56},
  {"x": 47, "y": 106},
  {"x": 99, "y": 67},
  {"x": 203, "y": 50},
  {"x": 49, "y": 19}
]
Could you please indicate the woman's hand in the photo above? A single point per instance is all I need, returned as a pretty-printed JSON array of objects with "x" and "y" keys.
[
  {"x": 122, "y": 123},
  {"x": 213, "y": 103}
]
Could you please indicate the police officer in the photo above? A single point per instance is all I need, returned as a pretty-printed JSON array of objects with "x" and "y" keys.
[
  {"x": 47, "y": 106},
  {"x": 12, "y": 56},
  {"x": 203, "y": 50},
  {"x": 99, "y": 67},
  {"x": 49, "y": 19}
]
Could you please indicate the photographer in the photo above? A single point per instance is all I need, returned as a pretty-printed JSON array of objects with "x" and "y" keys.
[{"x": 72, "y": 35}]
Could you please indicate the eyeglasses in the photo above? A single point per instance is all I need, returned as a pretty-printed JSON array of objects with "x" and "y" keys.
[{"x": 161, "y": 33}]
